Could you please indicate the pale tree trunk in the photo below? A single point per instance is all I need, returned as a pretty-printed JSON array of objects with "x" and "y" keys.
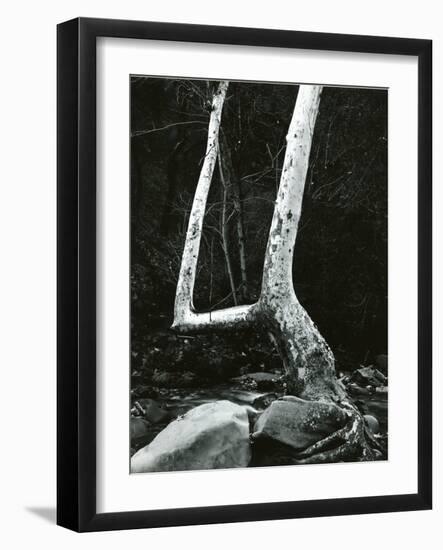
[
  {"x": 186, "y": 319},
  {"x": 307, "y": 359}
]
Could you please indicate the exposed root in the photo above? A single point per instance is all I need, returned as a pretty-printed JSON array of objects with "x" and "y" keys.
[{"x": 352, "y": 442}]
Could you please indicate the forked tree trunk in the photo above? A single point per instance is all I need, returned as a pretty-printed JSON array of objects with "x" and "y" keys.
[{"x": 307, "y": 359}]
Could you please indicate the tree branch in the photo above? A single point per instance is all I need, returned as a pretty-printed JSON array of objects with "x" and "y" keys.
[
  {"x": 186, "y": 319},
  {"x": 144, "y": 132}
]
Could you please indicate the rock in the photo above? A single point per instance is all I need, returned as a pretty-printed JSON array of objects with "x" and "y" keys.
[
  {"x": 139, "y": 428},
  {"x": 372, "y": 423},
  {"x": 356, "y": 390},
  {"x": 213, "y": 435},
  {"x": 299, "y": 423},
  {"x": 381, "y": 362},
  {"x": 369, "y": 376},
  {"x": 151, "y": 411},
  {"x": 263, "y": 401},
  {"x": 259, "y": 380}
]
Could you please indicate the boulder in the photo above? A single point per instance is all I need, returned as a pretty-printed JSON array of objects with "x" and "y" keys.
[
  {"x": 298, "y": 423},
  {"x": 369, "y": 376},
  {"x": 356, "y": 390},
  {"x": 213, "y": 435},
  {"x": 263, "y": 401},
  {"x": 372, "y": 423}
]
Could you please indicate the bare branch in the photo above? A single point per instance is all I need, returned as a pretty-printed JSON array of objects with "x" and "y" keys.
[{"x": 144, "y": 132}]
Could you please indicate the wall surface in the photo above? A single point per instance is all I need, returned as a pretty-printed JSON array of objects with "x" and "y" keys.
[{"x": 27, "y": 289}]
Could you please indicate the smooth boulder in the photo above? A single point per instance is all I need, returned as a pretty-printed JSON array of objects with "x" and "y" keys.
[
  {"x": 372, "y": 423},
  {"x": 299, "y": 423},
  {"x": 213, "y": 435}
]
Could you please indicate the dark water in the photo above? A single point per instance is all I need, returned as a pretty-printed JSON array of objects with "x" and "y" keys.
[{"x": 179, "y": 401}]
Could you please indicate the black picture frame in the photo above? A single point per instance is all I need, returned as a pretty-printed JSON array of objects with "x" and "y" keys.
[{"x": 76, "y": 297}]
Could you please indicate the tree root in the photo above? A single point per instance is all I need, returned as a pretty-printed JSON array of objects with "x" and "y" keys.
[{"x": 352, "y": 442}]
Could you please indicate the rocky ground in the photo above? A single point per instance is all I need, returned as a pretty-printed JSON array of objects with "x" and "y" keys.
[{"x": 197, "y": 403}]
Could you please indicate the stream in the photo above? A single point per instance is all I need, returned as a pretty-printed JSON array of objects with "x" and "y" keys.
[{"x": 178, "y": 401}]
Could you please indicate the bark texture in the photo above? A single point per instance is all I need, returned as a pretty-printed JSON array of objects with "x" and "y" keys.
[
  {"x": 307, "y": 358},
  {"x": 186, "y": 319},
  {"x": 308, "y": 361}
]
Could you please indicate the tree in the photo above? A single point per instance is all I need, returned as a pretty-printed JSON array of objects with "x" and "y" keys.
[
  {"x": 307, "y": 359},
  {"x": 231, "y": 182},
  {"x": 224, "y": 229}
]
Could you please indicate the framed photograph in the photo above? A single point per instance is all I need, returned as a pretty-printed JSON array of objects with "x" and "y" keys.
[{"x": 244, "y": 274}]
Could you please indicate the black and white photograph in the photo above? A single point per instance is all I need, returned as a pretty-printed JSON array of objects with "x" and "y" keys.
[
  {"x": 259, "y": 274},
  {"x": 221, "y": 303}
]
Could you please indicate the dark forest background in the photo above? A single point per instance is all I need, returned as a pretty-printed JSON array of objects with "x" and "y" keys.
[{"x": 340, "y": 265}]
